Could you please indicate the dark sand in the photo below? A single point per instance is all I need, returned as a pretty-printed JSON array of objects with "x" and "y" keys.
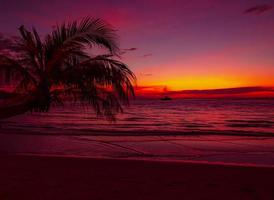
[{"x": 30, "y": 177}]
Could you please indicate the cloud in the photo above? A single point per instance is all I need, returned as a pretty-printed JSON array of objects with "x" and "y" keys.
[
  {"x": 131, "y": 49},
  {"x": 147, "y": 55},
  {"x": 142, "y": 74},
  {"x": 240, "y": 92},
  {"x": 258, "y": 9},
  {"x": 124, "y": 51},
  {"x": 227, "y": 92}
]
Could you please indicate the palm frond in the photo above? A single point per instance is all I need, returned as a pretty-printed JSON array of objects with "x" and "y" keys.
[
  {"x": 114, "y": 73},
  {"x": 31, "y": 50},
  {"x": 103, "y": 72},
  {"x": 60, "y": 66},
  {"x": 15, "y": 67},
  {"x": 71, "y": 39}
]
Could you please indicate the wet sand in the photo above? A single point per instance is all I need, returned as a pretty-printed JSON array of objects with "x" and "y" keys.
[
  {"x": 241, "y": 150},
  {"x": 37, "y": 177}
]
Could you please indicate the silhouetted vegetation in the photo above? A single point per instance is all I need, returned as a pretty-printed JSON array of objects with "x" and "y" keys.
[{"x": 61, "y": 65}]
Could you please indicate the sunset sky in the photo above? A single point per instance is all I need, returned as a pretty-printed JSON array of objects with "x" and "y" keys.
[{"x": 172, "y": 44}]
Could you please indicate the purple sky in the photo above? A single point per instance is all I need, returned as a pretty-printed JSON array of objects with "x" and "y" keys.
[{"x": 181, "y": 44}]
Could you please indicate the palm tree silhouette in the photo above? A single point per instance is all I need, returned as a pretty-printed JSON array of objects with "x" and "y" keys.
[{"x": 60, "y": 65}]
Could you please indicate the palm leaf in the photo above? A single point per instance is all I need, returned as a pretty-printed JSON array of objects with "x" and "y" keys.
[
  {"x": 32, "y": 50},
  {"x": 71, "y": 39},
  {"x": 15, "y": 67}
]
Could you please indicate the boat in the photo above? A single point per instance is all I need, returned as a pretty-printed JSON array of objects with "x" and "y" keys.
[{"x": 166, "y": 98}]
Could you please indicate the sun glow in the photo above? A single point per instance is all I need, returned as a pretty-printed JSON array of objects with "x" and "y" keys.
[{"x": 190, "y": 83}]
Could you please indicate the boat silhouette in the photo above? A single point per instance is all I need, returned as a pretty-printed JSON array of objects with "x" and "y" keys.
[{"x": 166, "y": 98}]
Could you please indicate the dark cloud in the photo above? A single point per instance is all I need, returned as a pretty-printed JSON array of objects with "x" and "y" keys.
[
  {"x": 145, "y": 74},
  {"x": 131, "y": 49},
  {"x": 124, "y": 51},
  {"x": 228, "y": 91},
  {"x": 241, "y": 92},
  {"x": 147, "y": 55},
  {"x": 259, "y": 9}
]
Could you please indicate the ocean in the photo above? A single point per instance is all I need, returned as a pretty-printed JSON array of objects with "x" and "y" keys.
[
  {"x": 235, "y": 131},
  {"x": 175, "y": 117}
]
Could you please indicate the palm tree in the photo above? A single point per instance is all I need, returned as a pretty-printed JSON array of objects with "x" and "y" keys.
[{"x": 60, "y": 65}]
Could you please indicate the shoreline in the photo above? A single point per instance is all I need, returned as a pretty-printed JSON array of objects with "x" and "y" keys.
[
  {"x": 38, "y": 177},
  {"x": 94, "y": 132},
  {"x": 149, "y": 160},
  {"x": 213, "y": 149}
]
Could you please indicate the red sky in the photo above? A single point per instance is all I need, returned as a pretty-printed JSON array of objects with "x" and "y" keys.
[{"x": 172, "y": 44}]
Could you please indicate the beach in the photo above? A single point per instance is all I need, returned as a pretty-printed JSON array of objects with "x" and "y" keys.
[
  {"x": 43, "y": 177},
  {"x": 135, "y": 167}
]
